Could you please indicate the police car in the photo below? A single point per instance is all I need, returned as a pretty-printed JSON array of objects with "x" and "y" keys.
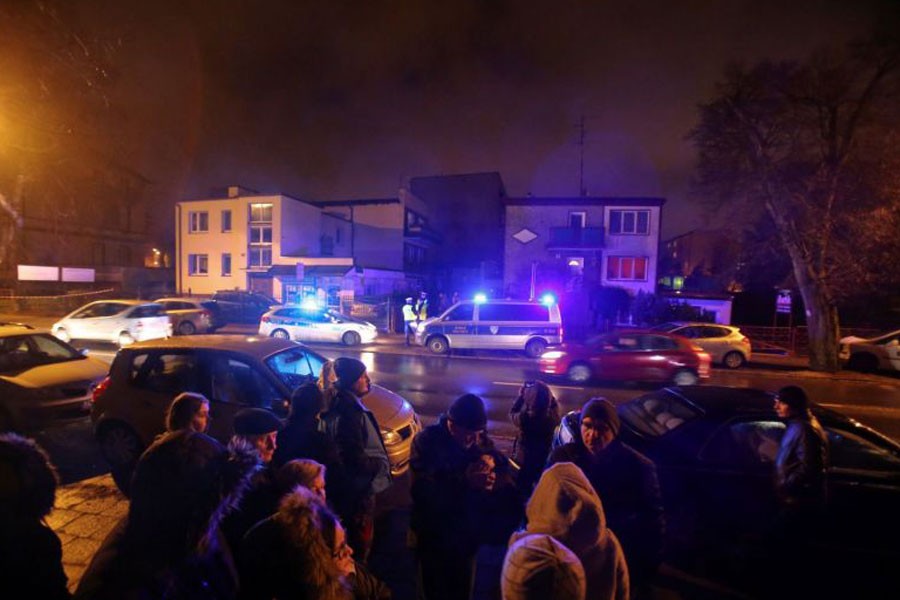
[
  {"x": 311, "y": 324},
  {"x": 484, "y": 324}
]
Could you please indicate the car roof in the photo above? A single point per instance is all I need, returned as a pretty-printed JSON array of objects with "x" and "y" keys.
[
  {"x": 715, "y": 400},
  {"x": 258, "y": 346},
  {"x": 11, "y": 328},
  {"x": 183, "y": 299}
]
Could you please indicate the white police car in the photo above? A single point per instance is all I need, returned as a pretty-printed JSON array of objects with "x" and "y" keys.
[{"x": 308, "y": 324}]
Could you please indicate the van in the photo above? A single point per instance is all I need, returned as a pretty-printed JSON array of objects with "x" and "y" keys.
[{"x": 493, "y": 325}]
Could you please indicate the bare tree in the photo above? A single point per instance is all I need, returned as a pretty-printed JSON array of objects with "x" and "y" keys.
[{"x": 809, "y": 146}]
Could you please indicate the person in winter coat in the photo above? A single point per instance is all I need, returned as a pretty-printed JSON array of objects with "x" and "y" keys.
[
  {"x": 538, "y": 567},
  {"x": 627, "y": 482},
  {"x": 300, "y": 437},
  {"x": 169, "y": 545},
  {"x": 303, "y": 472},
  {"x": 564, "y": 505},
  {"x": 439, "y": 457},
  {"x": 327, "y": 379},
  {"x": 802, "y": 458},
  {"x": 189, "y": 410},
  {"x": 301, "y": 552},
  {"x": 30, "y": 552},
  {"x": 410, "y": 318},
  {"x": 363, "y": 468},
  {"x": 535, "y": 413}
]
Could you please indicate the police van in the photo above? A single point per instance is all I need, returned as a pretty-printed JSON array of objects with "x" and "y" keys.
[{"x": 493, "y": 325}]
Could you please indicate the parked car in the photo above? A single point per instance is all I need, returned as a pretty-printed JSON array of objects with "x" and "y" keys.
[
  {"x": 316, "y": 325},
  {"x": 644, "y": 356},
  {"x": 120, "y": 321},
  {"x": 714, "y": 448},
  {"x": 43, "y": 380},
  {"x": 871, "y": 354},
  {"x": 241, "y": 306},
  {"x": 725, "y": 344},
  {"x": 192, "y": 315},
  {"x": 234, "y": 372}
]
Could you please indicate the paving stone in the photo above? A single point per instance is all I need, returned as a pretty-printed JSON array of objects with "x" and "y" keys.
[
  {"x": 74, "y": 573},
  {"x": 58, "y": 519},
  {"x": 87, "y": 525},
  {"x": 79, "y": 551}
]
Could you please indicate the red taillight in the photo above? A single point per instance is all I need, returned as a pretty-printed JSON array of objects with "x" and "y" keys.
[
  {"x": 100, "y": 390},
  {"x": 205, "y": 314}
]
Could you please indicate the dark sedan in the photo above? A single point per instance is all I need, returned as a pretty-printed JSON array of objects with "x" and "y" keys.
[{"x": 715, "y": 447}]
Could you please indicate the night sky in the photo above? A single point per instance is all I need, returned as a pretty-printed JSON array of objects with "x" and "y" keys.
[{"x": 334, "y": 100}]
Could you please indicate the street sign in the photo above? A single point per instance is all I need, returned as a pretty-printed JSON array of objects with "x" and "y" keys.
[{"x": 783, "y": 301}]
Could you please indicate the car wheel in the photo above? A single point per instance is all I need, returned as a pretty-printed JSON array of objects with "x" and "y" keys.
[
  {"x": 350, "y": 338},
  {"x": 186, "y": 328},
  {"x": 579, "y": 373},
  {"x": 733, "y": 360},
  {"x": 62, "y": 334},
  {"x": 685, "y": 377},
  {"x": 535, "y": 348},
  {"x": 863, "y": 362},
  {"x": 280, "y": 334},
  {"x": 121, "y": 448},
  {"x": 439, "y": 345},
  {"x": 125, "y": 339}
]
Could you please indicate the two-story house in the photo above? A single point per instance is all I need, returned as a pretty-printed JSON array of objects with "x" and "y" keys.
[{"x": 569, "y": 244}]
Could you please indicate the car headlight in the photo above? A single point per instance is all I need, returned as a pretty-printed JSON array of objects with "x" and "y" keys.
[
  {"x": 552, "y": 355},
  {"x": 390, "y": 437}
]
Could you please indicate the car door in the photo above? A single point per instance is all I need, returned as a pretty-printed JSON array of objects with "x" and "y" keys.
[
  {"x": 110, "y": 321},
  {"x": 233, "y": 383},
  {"x": 458, "y": 326},
  {"x": 714, "y": 340},
  {"x": 154, "y": 378},
  {"x": 618, "y": 356}
]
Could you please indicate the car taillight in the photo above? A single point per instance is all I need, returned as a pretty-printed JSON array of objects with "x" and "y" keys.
[
  {"x": 205, "y": 314},
  {"x": 265, "y": 318},
  {"x": 744, "y": 340},
  {"x": 100, "y": 390}
]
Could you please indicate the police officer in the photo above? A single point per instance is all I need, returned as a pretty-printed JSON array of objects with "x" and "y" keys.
[{"x": 409, "y": 319}]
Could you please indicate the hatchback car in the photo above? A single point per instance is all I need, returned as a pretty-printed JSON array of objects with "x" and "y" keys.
[
  {"x": 242, "y": 306},
  {"x": 234, "y": 372},
  {"x": 642, "y": 356},
  {"x": 725, "y": 344},
  {"x": 871, "y": 354},
  {"x": 714, "y": 448},
  {"x": 192, "y": 315},
  {"x": 316, "y": 325},
  {"x": 43, "y": 380},
  {"x": 119, "y": 321}
]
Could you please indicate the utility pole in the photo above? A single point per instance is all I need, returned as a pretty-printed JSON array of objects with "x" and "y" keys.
[{"x": 581, "y": 190}]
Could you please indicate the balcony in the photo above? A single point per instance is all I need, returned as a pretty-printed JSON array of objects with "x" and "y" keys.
[
  {"x": 575, "y": 238},
  {"x": 423, "y": 232}
]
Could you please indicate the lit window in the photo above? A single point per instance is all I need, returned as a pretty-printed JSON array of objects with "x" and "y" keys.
[
  {"x": 260, "y": 213},
  {"x": 198, "y": 264},
  {"x": 198, "y": 222},
  {"x": 226, "y": 221},
  {"x": 626, "y": 268},
  {"x": 226, "y": 264},
  {"x": 629, "y": 222}
]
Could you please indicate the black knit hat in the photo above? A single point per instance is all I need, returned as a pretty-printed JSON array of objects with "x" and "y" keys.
[
  {"x": 256, "y": 421},
  {"x": 793, "y": 396},
  {"x": 601, "y": 409},
  {"x": 348, "y": 371},
  {"x": 468, "y": 411}
]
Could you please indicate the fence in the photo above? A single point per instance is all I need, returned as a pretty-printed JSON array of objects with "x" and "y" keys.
[
  {"x": 53, "y": 305},
  {"x": 794, "y": 340},
  {"x": 376, "y": 311}
]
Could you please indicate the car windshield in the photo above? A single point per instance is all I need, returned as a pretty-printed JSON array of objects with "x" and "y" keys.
[
  {"x": 656, "y": 414},
  {"x": 295, "y": 366},
  {"x": 20, "y": 352}
]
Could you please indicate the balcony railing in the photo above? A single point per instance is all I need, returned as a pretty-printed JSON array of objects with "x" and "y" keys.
[
  {"x": 423, "y": 233},
  {"x": 584, "y": 238}
]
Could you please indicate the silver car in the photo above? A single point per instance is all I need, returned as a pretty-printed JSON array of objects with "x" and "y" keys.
[
  {"x": 725, "y": 344},
  {"x": 192, "y": 315},
  {"x": 119, "y": 321}
]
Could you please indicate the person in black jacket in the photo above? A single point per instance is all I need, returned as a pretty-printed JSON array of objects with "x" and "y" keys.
[
  {"x": 300, "y": 437},
  {"x": 438, "y": 460},
  {"x": 30, "y": 552},
  {"x": 363, "y": 468},
  {"x": 535, "y": 413},
  {"x": 626, "y": 482}
]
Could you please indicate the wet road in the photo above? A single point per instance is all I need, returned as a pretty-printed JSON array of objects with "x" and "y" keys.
[{"x": 431, "y": 383}]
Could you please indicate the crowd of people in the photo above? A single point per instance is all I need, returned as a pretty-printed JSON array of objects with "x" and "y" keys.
[{"x": 286, "y": 508}]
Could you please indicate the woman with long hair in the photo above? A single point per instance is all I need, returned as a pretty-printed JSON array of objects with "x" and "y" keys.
[
  {"x": 535, "y": 413},
  {"x": 189, "y": 410}
]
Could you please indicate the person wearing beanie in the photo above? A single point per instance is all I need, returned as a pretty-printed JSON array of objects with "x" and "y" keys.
[
  {"x": 439, "y": 457},
  {"x": 627, "y": 482},
  {"x": 362, "y": 468},
  {"x": 566, "y": 506},
  {"x": 538, "y": 567}
]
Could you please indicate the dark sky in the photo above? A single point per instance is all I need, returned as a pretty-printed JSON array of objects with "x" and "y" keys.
[{"x": 328, "y": 100}]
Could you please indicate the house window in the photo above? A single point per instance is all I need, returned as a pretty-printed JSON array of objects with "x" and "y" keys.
[
  {"x": 226, "y": 221},
  {"x": 629, "y": 222},
  {"x": 198, "y": 264},
  {"x": 259, "y": 250},
  {"x": 626, "y": 268},
  {"x": 198, "y": 222},
  {"x": 226, "y": 264},
  {"x": 577, "y": 219}
]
